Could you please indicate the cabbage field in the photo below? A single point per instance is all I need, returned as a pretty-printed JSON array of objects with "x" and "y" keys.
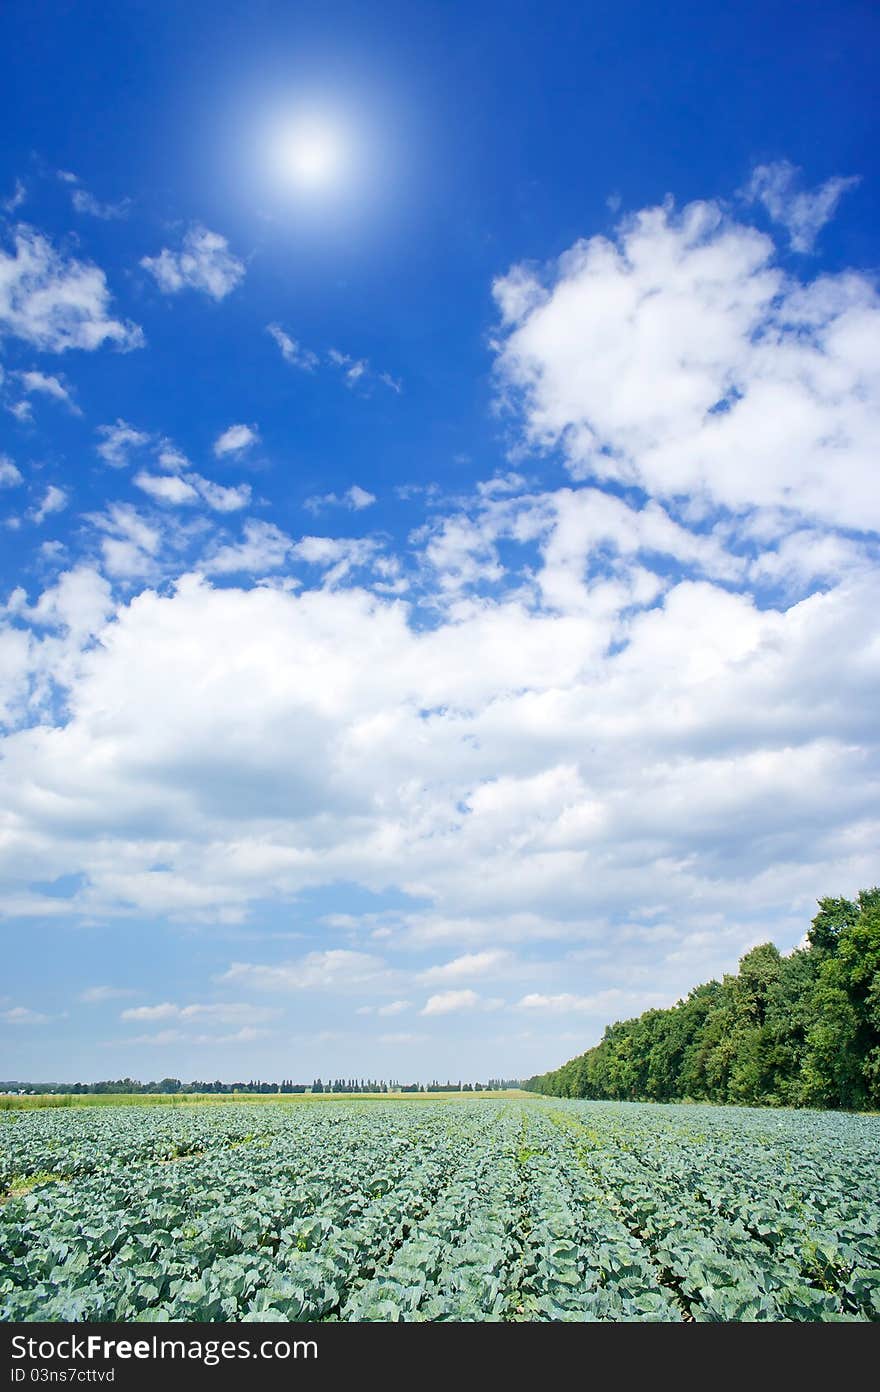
[{"x": 480, "y": 1209}]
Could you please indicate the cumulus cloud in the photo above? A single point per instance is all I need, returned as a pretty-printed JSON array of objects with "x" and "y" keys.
[
  {"x": 130, "y": 543},
  {"x": 118, "y": 441},
  {"x": 680, "y": 359},
  {"x": 56, "y": 302},
  {"x": 263, "y": 547},
  {"x": 166, "y": 488},
  {"x": 182, "y": 489},
  {"x": 613, "y": 1003},
  {"x": 204, "y": 262},
  {"x": 235, "y": 439},
  {"x": 803, "y": 213},
  {"x": 55, "y": 499},
  {"x": 466, "y": 967},
  {"x": 447, "y": 1002},
  {"x": 179, "y": 485},
  {"x": 617, "y": 735},
  {"x": 169, "y": 457},
  {"x": 221, "y": 498},
  {"x": 10, "y": 475}
]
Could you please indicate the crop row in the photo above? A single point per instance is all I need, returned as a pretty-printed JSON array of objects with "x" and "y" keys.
[{"x": 484, "y": 1210}]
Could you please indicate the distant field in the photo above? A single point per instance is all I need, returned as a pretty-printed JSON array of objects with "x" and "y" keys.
[
  {"x": 191, "y": 1099},
  {"x": 493, "y": 1208}
]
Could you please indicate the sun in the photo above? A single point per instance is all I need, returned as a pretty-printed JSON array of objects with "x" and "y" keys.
[{"x": 310, "y": 155}]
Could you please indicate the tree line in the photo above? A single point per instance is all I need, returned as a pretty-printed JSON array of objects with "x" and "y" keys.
[
  {"x": 172, "y": 1086},
  {"x": 801, "y": 1030}
]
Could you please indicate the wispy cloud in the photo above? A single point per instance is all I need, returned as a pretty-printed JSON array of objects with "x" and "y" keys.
[
  {"x": 356, "y": 372},
  {"x": 99, "y": 995},
  {"x": 22, "y": 1015},
  {"x": 43, "y": 384},
  {"x": 354, "y": 498},
  {"x": 118, "y": 441},
  {"x": 85, "y": 202},
  {"x": 292, "y": 352},
  {"x": 802, "y": 212},
  {"x": 335, "y": 969},
  {"x": 16, "y": 198}
]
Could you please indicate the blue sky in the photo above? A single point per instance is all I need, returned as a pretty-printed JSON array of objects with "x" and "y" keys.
[{"x": 439, "y": 522}]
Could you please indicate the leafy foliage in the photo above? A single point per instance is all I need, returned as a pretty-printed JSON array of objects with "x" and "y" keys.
[
  {"x": 802, "y": 1030},
  {"x": 476, "y": 1210}
]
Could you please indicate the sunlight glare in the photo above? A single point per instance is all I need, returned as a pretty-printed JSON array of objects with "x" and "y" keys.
[{"x": 310, "y": 155}]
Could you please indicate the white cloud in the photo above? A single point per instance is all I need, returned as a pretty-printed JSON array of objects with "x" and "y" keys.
[
  {"x": 21, "y": 1015},
  {"x": 647, "y": 721},
  {"x": 178, "y": 489},
  {"x": 16, "y": 198},
  {"x": 466, "y": 967},
  {"x": 681, "y": 360},
  {"x": 41, "y": 383},
  {"x": 169, "y": 457},
  {"x": 130, "y": 544},
  {"x": 335, "y": 556},
  {"x": 338, "y": 969},
  {"x": 117, "y": 442},
  {"x": 803, "y": 214},
  {"x": 235, "y": 439},
  {"x": 222, "y": 1013},
  {"x": 447, "y": 1002},
  {"x": 354, "y": 498},
  {"x": 168, "y": 1037},
  {"x": 357, "y": 372},
  {"x": 292, "y": 352},
  {"x": 396, "y": 1007},
  {"x": 204, "y": 263},
  {"x": 54, "y": 500},
  {"x": 10, "y": 476},
  {"x": 611, "y": 1004},
  {"x": 220, "y": 498},
  {"x": 166, "y": 488},
  {"x": 56, "y": 302},
  {"x": 98, "y": 995},
  {"x": 85, "y": 202},
  {"x": 166, "y": 1011},
  {"x": 265, "y": 547}
]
